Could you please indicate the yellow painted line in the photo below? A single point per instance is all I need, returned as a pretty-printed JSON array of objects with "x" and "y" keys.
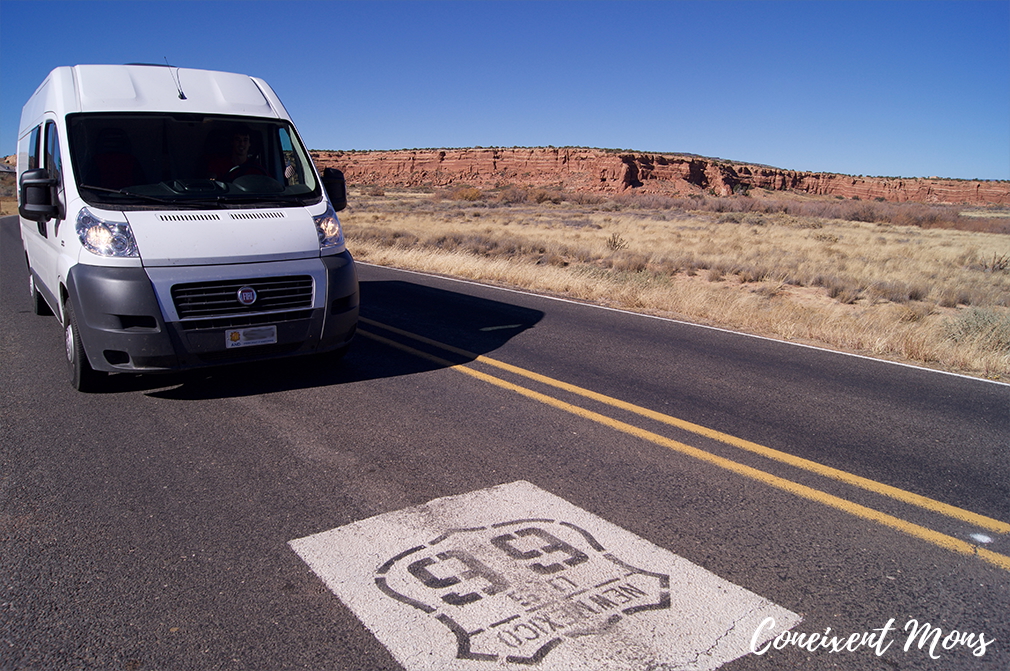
[
  {"x": 902, "y": 495},
  {"x": 915, "y": 530}
]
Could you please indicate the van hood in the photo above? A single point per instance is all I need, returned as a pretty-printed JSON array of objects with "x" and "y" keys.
[{"x": 217, "y": 237}]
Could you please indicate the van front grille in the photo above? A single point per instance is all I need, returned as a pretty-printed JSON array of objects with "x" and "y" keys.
[
  {"x": 241, "y": 321},
  {"x": 201, "y": 300}
]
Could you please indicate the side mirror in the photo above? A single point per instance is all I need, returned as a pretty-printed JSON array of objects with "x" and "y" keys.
[
  {"x": 37, "y": 202},
  {"x": 336, "y": 188}
]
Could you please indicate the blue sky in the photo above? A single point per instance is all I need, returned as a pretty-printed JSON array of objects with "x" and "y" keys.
[{"x": 910, "y": 88}]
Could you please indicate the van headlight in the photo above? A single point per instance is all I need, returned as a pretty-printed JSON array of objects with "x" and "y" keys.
[
  {"x": 105, "y": 238},
  {"x": 328, "y": 228}
]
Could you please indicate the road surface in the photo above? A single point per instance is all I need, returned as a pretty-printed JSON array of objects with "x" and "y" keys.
[{"x": 300, "y": 515}]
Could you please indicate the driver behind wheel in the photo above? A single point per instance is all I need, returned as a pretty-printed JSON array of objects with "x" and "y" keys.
[{"x": 236, "y": 161}]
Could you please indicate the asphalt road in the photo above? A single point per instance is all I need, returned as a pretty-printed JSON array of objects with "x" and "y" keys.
[{"x": 149, "y": 527}]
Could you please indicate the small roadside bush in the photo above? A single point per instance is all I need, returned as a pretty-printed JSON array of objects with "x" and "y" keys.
[
  {"x": 513, "y": 195},
  {"x": 996, "y": 264},
  {"x": 841, "y": 290},
  {"x": 541, "y": 196},
  {"x": 628, "y": 262},
  {"x": 896, "y": 292},
  {"x": 989, "y": 329},
  {"x": 616, "y": 243},
  {"x": 468, "y": 193}
]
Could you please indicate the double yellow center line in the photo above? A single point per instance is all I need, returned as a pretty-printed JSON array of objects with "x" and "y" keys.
[{"x": 929, "y": 535}]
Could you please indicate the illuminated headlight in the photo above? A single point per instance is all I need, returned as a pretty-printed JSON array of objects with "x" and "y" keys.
[
  {"x": 328, "y": 229},
  {"x": 105, "y": 238}
]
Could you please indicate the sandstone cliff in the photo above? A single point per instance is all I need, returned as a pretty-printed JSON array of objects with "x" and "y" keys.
[{"x": 601, "y": 171}]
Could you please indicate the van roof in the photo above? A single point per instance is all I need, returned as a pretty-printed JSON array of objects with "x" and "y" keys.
[{"x": 122, "y": 88}]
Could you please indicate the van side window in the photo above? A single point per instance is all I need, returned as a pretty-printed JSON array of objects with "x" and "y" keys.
[
  {"x": 54, "y": 164},
  {"x": 53, "y": 161},
  {"x": 33, "y": 149},
  {"x": 292, "y": 167}
]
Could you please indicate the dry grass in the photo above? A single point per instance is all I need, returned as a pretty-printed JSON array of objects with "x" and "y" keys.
[{"x": 932, "y": 296}]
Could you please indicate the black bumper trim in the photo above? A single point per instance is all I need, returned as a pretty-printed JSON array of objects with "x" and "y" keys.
[{"x": 122, "y": 327}]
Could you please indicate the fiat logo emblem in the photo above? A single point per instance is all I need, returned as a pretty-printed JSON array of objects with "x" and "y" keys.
[{"x": 246, "y": 295}]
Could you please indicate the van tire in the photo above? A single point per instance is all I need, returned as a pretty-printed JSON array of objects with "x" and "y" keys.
[
  {"x": 39, "y": 305},
  {"x": 83, "y": 377}
]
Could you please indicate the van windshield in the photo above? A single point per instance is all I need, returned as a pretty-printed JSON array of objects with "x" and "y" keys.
[{"x": 145, "y": 160}]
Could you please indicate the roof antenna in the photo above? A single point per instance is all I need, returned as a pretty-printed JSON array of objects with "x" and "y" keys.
[{"x": 175, "y": 77}]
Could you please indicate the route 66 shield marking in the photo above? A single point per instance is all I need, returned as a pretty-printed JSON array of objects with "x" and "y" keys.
[
  {"x": 530, "y": 583},
  {"x": 515, "y": 577}
]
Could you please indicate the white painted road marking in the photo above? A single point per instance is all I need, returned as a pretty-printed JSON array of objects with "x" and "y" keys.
[{"x": 515, "y": 577}]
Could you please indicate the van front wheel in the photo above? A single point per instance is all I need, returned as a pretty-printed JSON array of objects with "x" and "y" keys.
[{"x": 82, "y": 376}]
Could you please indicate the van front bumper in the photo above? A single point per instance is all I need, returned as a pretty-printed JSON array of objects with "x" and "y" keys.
[{"x": 128, "y": 321}]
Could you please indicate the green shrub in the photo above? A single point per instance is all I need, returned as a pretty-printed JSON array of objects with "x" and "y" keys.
[{"x": 988, "y": 329}]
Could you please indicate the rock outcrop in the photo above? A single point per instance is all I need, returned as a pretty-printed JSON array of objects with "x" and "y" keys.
[{"x": 610, "y": 172}]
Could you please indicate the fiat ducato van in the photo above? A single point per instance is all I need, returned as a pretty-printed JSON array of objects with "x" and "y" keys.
[{"x": 172, "y": 218}]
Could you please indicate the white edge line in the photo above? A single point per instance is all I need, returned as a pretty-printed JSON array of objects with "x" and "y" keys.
[{"x": 685, "y": 323}]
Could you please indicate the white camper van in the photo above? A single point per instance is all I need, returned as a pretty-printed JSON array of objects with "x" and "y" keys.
[{"x": 172, "y": 218}]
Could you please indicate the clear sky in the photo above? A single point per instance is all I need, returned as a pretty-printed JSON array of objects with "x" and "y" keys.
[{"x": 912, "y": 88}]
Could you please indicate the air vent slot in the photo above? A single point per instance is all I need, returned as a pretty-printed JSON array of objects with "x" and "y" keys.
[
  {"x": 257, "y": 215},
  {"x": 189, "y": 217}
]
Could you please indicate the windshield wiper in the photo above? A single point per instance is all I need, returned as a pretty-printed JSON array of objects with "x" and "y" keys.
[
  {"x": 264, "y": 200},
  {"x": 153, "y": 199},
  {"x": 252, "y": 200},
  {"x": 216, "y": 202}
]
